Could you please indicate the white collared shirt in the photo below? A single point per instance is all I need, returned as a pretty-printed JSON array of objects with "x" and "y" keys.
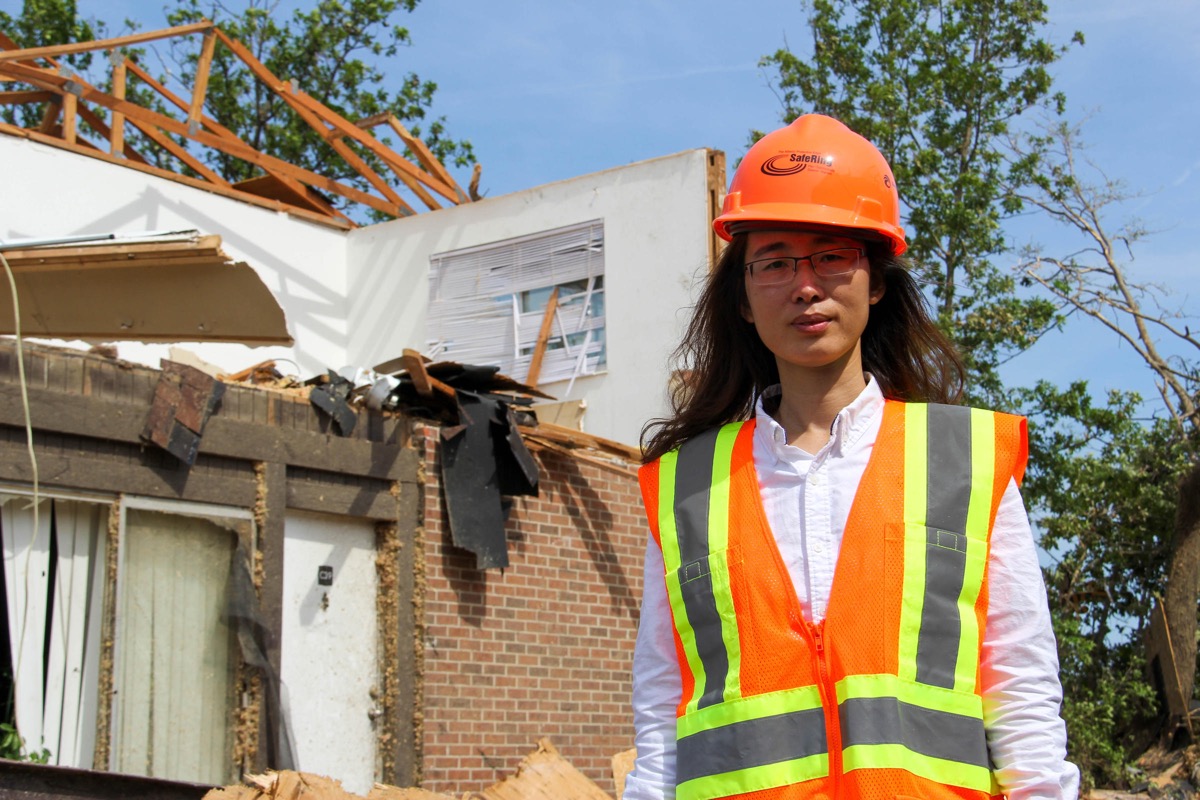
[{"x": 807, "y": 499}]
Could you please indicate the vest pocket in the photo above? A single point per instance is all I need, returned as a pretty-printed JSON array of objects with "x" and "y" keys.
[{"x": 706, "y": 589}]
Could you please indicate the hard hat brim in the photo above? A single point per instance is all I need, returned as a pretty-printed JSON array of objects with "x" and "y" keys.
[{"x": 792, "y": 215}]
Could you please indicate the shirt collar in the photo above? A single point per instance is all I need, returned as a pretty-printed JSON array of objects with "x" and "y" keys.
[{"x": 847, "y": 429}]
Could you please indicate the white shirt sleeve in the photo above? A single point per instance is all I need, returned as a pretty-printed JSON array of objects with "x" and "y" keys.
[
  {"x": 1019, "y": 667},
  {"x": 656, "y": 690}
]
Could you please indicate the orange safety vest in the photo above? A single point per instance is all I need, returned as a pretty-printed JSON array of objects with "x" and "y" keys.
[{"x": 882, "y": 698}]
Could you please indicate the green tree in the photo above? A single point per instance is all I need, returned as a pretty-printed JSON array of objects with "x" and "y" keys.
[
  {"x": 337, "y": 52},
  {"x": 1096, "y": 282},
  {"x": 42, "y": 23},
  {"x": 1102, "y": 486},
  {"x": 936, "y": 86}
]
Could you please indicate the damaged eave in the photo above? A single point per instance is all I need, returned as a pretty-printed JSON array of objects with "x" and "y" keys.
[{"x": 184, "y": 290}]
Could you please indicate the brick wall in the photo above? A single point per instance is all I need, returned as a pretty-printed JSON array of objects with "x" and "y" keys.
[{"x": 543, "y": 648}]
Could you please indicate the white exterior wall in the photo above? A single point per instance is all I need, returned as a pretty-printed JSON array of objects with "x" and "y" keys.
[
  {"x": 656, "y": 236},
  {"x": 49, "y": 192}
]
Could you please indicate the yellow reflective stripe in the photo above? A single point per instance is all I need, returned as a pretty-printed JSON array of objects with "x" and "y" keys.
[
  {"x": 896, "y": 756},
  {"x": 718, "y": 540},
  {"x": 757, "y": 706},
  {"x": 979, "y": 512},
  {"x": 669, "y": 537},
  {"x": 967, "y": 704},
  {"x": 753, "y": 779},
  {"x": 983, "y": 472},
  {"x": 916, "y": 496}
]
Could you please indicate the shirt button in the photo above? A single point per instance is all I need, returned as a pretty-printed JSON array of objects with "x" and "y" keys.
[
  {"x": 816, "y": 479},
  {"x": 818, "y": 547}
]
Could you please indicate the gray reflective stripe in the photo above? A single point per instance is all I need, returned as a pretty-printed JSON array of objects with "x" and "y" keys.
[
  {"x": 949, "y": 467},
  {"x": 949, "y": 495},
  {"x": 937, "y": 734},
  {"x": 693, "y": 483},
  {"x": 751, "y": 743}
]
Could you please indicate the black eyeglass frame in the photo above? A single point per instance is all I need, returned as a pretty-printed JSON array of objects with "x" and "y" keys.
[{"x": 821, "y": 270}]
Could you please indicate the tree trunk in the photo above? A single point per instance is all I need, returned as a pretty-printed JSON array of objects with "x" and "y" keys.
[{"x": 1183, "y": 581}]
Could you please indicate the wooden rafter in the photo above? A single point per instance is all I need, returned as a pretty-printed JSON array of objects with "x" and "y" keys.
[{"x": 67, "y": 100}]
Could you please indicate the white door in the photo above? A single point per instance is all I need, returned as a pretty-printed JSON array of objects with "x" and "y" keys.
[{"x": 329, "y": 647}]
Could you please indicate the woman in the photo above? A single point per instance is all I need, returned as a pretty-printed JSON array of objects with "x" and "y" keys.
[{"x": 842, "y": 594}]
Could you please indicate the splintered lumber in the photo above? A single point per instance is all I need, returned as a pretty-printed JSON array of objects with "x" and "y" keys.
[
  {"x": 535, "y": 365},
  {"x": 545, "y": 775}
]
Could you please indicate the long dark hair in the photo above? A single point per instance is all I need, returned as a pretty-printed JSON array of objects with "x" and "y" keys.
[{"x": 723, "y": 366}]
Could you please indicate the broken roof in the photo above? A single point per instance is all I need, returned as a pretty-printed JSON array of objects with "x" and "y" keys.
[
  {"x": 159, "y": 288},
  {"x": 83, "y": 119}
]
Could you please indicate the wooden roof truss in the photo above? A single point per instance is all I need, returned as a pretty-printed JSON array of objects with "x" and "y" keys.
[{"x": 73, "y": 119}]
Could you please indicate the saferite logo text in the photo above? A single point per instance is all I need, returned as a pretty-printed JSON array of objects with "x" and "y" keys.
[{"x": 791, "y": 163}]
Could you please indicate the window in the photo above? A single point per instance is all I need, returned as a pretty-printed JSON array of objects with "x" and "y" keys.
[
  {"x": 487, "y": 304},
  {"x": 175, "y": 658}
]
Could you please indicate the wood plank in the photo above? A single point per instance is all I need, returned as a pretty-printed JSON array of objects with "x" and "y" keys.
[
  {"x": 70, "y": 48},
  {"x": 341, "y": 500},
  {"x": 79, "y": 471},
  {"x": 116, "y": 140},
  {"x": 200, "y": 82},
  {"x": 262, "y": 202},
  {"x": 34, "y": 96},
  {"x": 539, "y": 350},
  {"x": 70, "y": 104},
  {"x": 52, "y": 410},
  {"x": 271, "y": 511}
]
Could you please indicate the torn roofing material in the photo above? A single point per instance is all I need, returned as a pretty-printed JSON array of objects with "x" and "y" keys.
[{"x": 175, "y": 288}]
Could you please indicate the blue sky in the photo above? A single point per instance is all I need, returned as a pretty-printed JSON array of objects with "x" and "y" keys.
[{"x": 553, "y": 89}]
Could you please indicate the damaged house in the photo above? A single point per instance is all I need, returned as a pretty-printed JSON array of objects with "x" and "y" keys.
[{"x": 374, "y": 557}]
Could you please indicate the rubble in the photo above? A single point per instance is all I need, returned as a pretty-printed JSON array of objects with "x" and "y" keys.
[{"x": 543, "y": 775}]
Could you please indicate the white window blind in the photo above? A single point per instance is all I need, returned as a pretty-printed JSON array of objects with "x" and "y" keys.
[
  {"x": 487, "y": 304},
  {"x": 175, "y": 656},
  {"x": 53, "y": 579}
]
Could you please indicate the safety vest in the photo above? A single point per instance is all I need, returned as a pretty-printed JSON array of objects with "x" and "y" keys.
[{"x": 882, "y": 698}]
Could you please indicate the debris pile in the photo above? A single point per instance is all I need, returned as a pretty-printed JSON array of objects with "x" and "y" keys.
[
  {"x": 489, "y": 427},
  {"x": 544, "y": 773}
]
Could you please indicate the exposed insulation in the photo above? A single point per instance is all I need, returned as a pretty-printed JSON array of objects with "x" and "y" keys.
[
  {"x": 387, "y": 602},
  {"x": 107, "y": 632}
]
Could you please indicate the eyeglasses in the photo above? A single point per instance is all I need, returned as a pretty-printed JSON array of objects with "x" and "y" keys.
[{"x": 826, "y": 264}]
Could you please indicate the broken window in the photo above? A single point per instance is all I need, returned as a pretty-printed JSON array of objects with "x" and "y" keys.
[
  {"x": 53, "y": 595},
  {"x": 175, "y": 658},
  {"x": 488, "y": 304}
]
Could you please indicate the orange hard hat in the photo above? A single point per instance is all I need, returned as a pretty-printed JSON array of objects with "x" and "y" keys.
[{"x": 818, "y": 172}]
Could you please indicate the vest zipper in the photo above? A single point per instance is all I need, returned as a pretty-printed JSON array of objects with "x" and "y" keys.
[{"x": 829, "y": 700}]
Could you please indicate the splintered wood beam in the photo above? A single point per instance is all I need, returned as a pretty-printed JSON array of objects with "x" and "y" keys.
[
  {"x": 263, "y": 202},
  {"x": 116, "y": 140},
  {"x": 535, "y": 365},
  {"x": 426, "y": 157},
  {"x": 232, "y": 147},
  {"x": 200, "y": 86},
  {"x": 102, "y": 44}
]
